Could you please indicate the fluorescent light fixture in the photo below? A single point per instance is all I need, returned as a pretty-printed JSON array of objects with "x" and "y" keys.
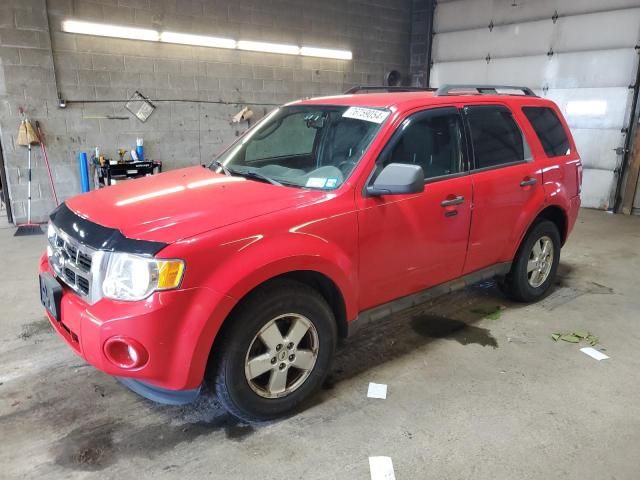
[
  {"x": 105, "y": 30},
  {"x": 326, "y": 53},
  {"x": 198, "y": 40},
  {"x": 587, "y": 108},
  {"x": 269, "y": 47},
  {"x": 133, "y": 33}
]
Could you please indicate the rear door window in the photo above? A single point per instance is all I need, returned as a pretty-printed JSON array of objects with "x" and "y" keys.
[
  {"x": 547, "y": 126},
  {"x": 496, "y": 137}
]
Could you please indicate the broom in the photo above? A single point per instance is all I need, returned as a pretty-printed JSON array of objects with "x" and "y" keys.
[
  {"x": 43, "y": 147},
  {"x": 27, "y": 137}
]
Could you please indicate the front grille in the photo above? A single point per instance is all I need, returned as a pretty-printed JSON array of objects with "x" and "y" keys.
[
  {"x": 70, "y": 276},
  {"x": 84, "y": 261},
  {"x": 72, "y": 262},
  {"x": 83, "y": 285}
]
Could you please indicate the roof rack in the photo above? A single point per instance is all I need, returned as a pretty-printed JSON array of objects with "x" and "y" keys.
[
  {"x": 483, "y": 89},
  {"x": 382, "y": 88}
]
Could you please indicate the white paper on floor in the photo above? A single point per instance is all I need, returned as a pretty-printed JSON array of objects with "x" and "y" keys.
[
  {"x": 381, "y": 468},
  {"x": 593, "y": 353},
  {"x": 377, "y": 390}
]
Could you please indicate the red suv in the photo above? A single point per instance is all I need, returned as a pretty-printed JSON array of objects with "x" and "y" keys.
[{"x": 328, "y": 213}]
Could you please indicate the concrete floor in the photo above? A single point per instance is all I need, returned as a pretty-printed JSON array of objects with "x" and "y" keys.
[{"x": 469, "y": 397}]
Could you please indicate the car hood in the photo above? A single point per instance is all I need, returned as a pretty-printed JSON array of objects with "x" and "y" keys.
[{"x": 182, "y": 203}]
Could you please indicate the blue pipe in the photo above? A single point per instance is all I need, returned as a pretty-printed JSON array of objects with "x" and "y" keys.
[{"x": 84, "y": 172}]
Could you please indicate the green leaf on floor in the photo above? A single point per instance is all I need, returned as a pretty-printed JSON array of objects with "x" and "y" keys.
[
  {"x": 576, "y": 337},
  {"x": 570, "y": 338},
  {"x": 490, "y": 313}
]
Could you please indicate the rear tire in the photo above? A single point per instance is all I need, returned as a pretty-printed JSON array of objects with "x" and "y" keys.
[
  {"x": 536, "y": 263},
  {"x": 276, "y": 351}
]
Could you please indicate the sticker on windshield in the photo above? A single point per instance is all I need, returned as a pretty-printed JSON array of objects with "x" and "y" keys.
[
  {"x": 316, "y": 182},
  {"x": 366, "y": 114},
  {"x": 331, "y": 183}
]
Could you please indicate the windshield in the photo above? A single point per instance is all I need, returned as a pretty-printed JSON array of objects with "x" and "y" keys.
[{"x": 304, "y": 146}]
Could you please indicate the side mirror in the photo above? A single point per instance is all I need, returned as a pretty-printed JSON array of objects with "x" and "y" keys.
[{"x": 398, "y": 179}]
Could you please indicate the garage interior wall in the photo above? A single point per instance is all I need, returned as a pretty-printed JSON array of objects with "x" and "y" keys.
[
  {"x": 178, "y": 133},
  {"x": 582, "y": 54}
]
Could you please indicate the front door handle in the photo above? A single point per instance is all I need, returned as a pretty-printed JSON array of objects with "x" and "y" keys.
[
  {"x": 452, "y": 201},
  {"x": 528, "y": 182}
]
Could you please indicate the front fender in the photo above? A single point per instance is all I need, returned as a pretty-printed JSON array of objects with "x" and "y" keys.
[
  {"x": 269, "y": 258},
  {"x": 234, "y": 261}
]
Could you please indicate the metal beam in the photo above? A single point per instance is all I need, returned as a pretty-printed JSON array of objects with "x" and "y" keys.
[
  {"x": 624, "y": 195},
  {"x": 421, "y": 45}
]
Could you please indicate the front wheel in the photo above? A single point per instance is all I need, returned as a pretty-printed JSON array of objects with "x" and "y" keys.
[
  {"x": 536, "y": 263},
  {"x": 276, "y": 352}
]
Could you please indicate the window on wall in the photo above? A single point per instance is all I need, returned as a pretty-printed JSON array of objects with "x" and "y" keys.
[
  {"x": 495, "y": 136},
  {"x": 547, "y": 126},
  {"x": 432, "y": 140}
]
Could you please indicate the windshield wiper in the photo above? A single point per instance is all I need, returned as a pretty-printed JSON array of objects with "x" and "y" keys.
[
  {"x": 249, "y": 174},
  {"x": 257, "y": 176},
  {"x": 220, "y": 165}
]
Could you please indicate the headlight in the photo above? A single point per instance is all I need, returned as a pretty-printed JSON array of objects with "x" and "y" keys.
[
  {"x": 51, "y": 232},
  {"x": 131, "y": 277}
]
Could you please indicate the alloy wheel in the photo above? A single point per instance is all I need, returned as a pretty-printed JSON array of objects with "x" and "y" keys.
[
  {"x": 278, "y": 363},
  {"x": 540, "y": 261}
]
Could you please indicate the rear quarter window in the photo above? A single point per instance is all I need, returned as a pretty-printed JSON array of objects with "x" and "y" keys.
[{"x": 547, "y": 126}]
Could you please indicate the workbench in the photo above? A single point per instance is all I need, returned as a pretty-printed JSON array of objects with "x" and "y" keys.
[{"x": 110, "y": 174}]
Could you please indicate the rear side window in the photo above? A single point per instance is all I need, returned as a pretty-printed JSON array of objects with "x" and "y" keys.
[
  {"x": 495, "y": 136},
  {"x": 547, "y": 126}
]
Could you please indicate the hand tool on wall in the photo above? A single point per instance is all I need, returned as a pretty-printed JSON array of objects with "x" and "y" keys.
[
  {"x": 43, "y": 147},
  {"x": 27, "y": 137}
]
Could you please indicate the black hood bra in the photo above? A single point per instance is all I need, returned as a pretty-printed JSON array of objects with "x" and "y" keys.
[{"x": 99, "y": 237}]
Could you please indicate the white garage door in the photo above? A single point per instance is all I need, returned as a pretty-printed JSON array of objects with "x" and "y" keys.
[{"x": 579, "y": 53}]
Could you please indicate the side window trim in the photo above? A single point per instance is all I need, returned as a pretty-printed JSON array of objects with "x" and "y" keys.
[
  {"x": 417, "y": 116},
  {"x": 472, "y": 157}
]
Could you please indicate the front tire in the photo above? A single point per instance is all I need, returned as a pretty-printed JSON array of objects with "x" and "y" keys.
[
  {"x": 276, "y": 352},
  {"x": 536, "y": 263}
]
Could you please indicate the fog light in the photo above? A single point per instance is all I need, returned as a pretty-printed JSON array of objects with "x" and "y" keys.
[{"x": 125, "y": 352}]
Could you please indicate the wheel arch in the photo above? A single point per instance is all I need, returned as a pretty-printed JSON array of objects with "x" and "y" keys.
[
  {"x": 329, "y": 291},
  {"x": 557, "y": 215},
  {"x": 320, "y": 282}
]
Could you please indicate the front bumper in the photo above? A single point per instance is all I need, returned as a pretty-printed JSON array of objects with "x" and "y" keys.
[{"x": 176, "y": 327}]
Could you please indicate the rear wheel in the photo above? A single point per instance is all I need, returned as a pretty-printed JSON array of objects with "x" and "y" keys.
[
  {"x": 536, "y": 263},
  {"x": 276, "y": 352}
]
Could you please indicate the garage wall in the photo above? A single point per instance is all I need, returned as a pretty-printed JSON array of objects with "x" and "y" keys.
[
  {"x": 178, "y": 133},
  {"x": 579, "y": 53}
]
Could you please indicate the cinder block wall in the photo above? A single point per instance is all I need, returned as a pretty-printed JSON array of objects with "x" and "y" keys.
[{"x": 178, "y": 133}]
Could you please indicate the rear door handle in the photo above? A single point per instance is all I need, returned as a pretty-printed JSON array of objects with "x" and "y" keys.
[
  {"x": 452, "y": 201},
  {"x": 528, "y": 182}
]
